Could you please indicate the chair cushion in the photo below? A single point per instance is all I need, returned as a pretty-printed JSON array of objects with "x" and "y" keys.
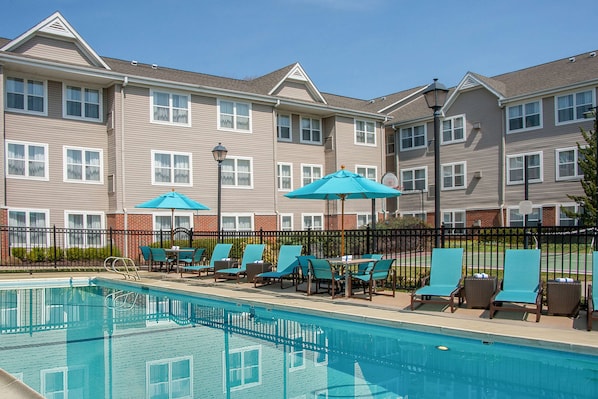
[
  {"x": 517, "y": 296},
  {"x": 436, "y": 290}
]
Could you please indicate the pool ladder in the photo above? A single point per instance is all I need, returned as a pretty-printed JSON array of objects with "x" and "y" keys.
[
  {"x": 121, "y": 300},
  {"x": 123, "y": 266}
]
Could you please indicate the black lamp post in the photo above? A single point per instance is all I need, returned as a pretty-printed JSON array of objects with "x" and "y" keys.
[
  {"x": 219, "y": 152},
  {"x": 435, "y": 95}
]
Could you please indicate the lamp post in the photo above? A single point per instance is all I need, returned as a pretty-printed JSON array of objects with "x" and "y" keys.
[
  {"x": 435, "y": 95},
  {"x": 219, "y": 152}
]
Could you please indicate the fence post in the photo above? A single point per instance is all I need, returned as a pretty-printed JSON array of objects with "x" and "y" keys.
[
  {"x": 368, "y": 240},
  {"x": 308, "y": 241},
  {"x": 539, "y": 235},
  {"x": 190, "y": 234},
  {"x": 442, "y": 235},
  {"x": 111, "y": 240},
  {"x": 55, "y": 246},
  {"x": 261, "y": 235}
]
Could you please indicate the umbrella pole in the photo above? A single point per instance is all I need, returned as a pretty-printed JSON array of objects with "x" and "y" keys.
[
  {"x": 342, "y": 225},
  {"x": 172, "y": 228}
]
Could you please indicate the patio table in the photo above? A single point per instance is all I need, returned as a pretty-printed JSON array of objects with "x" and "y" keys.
[{"x": 347, "y": 267}]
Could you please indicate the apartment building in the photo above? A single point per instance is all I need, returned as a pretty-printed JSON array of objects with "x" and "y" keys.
[
  {"x": 489, "y": 125},
  {"x": 88, "y": 137}
]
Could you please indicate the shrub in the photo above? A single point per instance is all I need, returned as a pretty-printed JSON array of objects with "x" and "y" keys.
[
  {"x": 54, "y": 254},
  {"x": 19, "y": 253},
  {"x": 37, "y": 255}
]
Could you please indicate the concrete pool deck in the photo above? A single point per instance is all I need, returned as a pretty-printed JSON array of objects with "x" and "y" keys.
[{"x": 555, "y": 332}]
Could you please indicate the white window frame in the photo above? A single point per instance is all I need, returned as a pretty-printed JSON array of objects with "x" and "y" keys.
[
  {"x": 296, "y": 356},
  {"x": 281, "y": 179},
  {"x": 421, "y": 215},
  {"x": 280, "y": 127},
  {"x": 453, "y": 176},
  {"x": 559, "y": 213},
  {"x": 234, "y": 161},
  {"x": 85, "y": 237},
  {"x": 170, "y": 382},
  {"x": 237, "y": 217},
  {"x": 311, "y": 130},
  {"x": 66, "y": 392},
  {"x": 413, "y": 170},
  {"x": 289, "y": 217},
  {"x": 452, "y": 226},
  {"x": 82, "y": 102},
  {"x": 27, "y": 160},
  {"x": 235, "y": 116},
  {"x": 312, "y": 217},
  {"x": 311, "y": 178},
  {"x": 532, "y": 219},
  {"x": 26, "y": 95},
  {"x": 578, "y": 173},
  {"x": 172, "y": 168},
  {"x": 84, "y": 165},
  {"x": 522, "y": 156},
  {"x": 577, "y": 116},
  {"x": 390, "y": 143},
  {"x": 410, "y": 132},
  {"x": 524, "y": 117},
  {"x": 452, "y": 129},
  {"x": 9, "y": 311},
  {"x": 171, "y": 108},
  {"x": 31, "y": 239},
  {"x": 242, "y": 350},
  {"x": 179, "y": 216},
  {"x": 367, "y": 171},
  {"x": 363, "y": 219},
  {"x": 363, "y": 135}
]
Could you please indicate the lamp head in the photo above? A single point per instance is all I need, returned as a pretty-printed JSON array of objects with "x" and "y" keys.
[
  {"x": 435, "y": 95},
  {"x": 219, "y": 152}
]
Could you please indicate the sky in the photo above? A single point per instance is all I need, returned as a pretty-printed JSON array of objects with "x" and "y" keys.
[{"x": 355, "y": 48}]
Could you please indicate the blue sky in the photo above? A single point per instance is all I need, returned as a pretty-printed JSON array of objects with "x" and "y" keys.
[{"x": 354, "y": 48}]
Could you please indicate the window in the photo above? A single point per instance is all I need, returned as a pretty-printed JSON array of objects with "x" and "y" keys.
[
  {"x": 568, "y": 164},
  {"x": 571, "y": 107},
  {"x": 157, "y": 309},
  {"x": 64, "y": 382},
  {"x": 564, "y": 219},
  {"x": 237, "y": 172},
  {"x": 10, "y": 302},
  {"x": 170, "y": 378},
  {"x": 83, "y": 165},
  {"x": 418, "y": 215},
  {"x": 365, "y": 132},
  {"x": 285, "y": 176},
  {"x": 163, "y": 222},
  {"x": 284, "y": 127},
  {"x": 312, "y": 221},
  {"x": 234, "y": 116},
  {"x": 27, "y": 160},
  {"x": 453, "y": 129},
  {"x": 517, "y": 220},
  {"x": 524, "y": 117},
  {"x": 390, "y": 144},
  {"x": 454, "y": 221},
  {"x": 170, "y": 108},
  {"x": 310, "y": 173},
  {"x": 26, "y": 95},
  {"x": 237, "y": 222},
  {"x": 244, "y": 367},
  {"x": 171, "y": 168},
  {"x": 413, "y": 137},
  {"x": 369, "y": 172},
  {"x": 31, "y": 230},
  {"x": 296, "y": 354},
  {"x": 414, "y": 179},
  {"x": 88, "y": 231},
  {"x": 286, "y": 222},
  {"x": 516, "y": 165},
  {"x": 453, "y": 176},
  {"x": 364, "y": 219},
  {"x": 311, "y": 131},
  {"x": 81, "y": 102}
]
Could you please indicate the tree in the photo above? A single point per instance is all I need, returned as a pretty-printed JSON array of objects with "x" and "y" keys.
[{"x": 588, "y": 211}]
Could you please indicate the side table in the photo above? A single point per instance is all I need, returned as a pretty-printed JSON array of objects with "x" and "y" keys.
[
  {"x": 253, "y": 269},
  {"x": 563, "y": 298},
  {"x": 224, "y": 264},
  {"x": 479, "y": 291}
]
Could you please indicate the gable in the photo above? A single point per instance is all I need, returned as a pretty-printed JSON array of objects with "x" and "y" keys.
[
  {"x": 53, "y": 49},
  {"x": 296, "y": 84}
]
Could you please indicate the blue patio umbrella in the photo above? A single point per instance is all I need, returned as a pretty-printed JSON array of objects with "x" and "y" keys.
[
  {"x": 342, "y": 185},
  {"x": 172, "y": 200}
]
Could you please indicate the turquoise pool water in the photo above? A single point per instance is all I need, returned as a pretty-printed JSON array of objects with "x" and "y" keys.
[{"x": 98, "y": 339}]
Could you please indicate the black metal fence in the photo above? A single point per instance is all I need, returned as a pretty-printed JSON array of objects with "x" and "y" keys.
[{"x": 566, "y": 251}]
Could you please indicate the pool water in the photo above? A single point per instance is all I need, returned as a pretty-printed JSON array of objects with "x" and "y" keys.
[{"x": 107, "y": 340}]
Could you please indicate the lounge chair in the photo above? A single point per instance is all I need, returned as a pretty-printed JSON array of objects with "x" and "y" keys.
[
  {"x": 158, "y": 255},
  {"x": 303, "y": 270},
  {"x": 380, "y": 271},
  {"x": 220, "y": 251},
  {"x": 321, "y": 271},
  {"x": 191, "y": 259},
  {"x": 446, "y": 272},
  {"x": 146, "y": 255},
  {"x": 286, "y": 266},
  {"x": 252, "y": 253},
  {"x": 592, "y": 294},
  {"x": 521, "y": 284}
]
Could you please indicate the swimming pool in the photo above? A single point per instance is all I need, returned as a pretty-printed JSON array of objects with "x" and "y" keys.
[{"x": 102, "y": 339}]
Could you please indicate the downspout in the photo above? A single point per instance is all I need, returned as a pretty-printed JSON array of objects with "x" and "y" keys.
[
  {"x": 502, "y": 152},
  {"x": 4, "y": 183},
  {"x": 275, "y": 157},
  {"x": 122, "y": 157}
]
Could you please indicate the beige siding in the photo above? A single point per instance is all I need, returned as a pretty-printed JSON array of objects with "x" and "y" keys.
[
  {"x": 294, "y": 90},
  {"x": 44, "y": 47}
]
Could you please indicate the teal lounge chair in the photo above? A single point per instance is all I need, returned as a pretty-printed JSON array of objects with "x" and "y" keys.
[
  {"x": 221, "y": 251},
  {"x": 592, "y": 294},
  {"x": 191, "y": 260},
  {"x": 380, "y": 271},
  {"x": 446, "y": 272},
  {"x": 286, "y": 266},
  {"x": 252, "y": 253},
  {"x": 320, "y": 272},
  {"x": 521, "y": 284},
  {"x": 303, "y": 270}
]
